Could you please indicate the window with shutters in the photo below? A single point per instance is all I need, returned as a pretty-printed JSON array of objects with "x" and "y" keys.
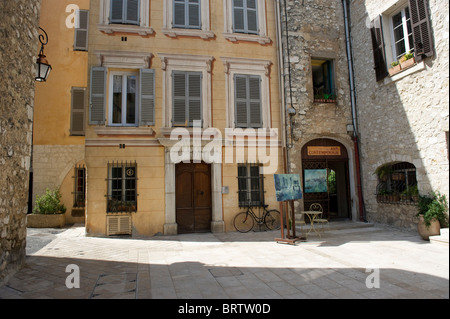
[
  {"x": 248, "y": 113},
  {"x": 130, "y": 96},
  {"x": 122, "y": 187},
  {"x": 187, "y": 18},
  {"x": 397, "y": 32},
  {"x": 187, "y": 98},
  {"x": 77, "y": 111},
  {"x": 250, "y": 185},
  {"x": 246, "y": 20},
  {"x": 81, "y": 30},
  {"x": 130, "y": 16}
]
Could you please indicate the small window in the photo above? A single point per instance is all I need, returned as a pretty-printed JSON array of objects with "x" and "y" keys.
[
  {"x": 187, "y": 14},
  {"x": 79, "y": 200},
  {"x": 323, "y": 80},
  {"x": 125, "y": 12},
  {"x": 250, "y": 185},
  {"x": 397, "y": 183},
  {"x": 403, "y": 41},
  {"x": 122, "y": 187},
  {"x": 187, "y": 98}
]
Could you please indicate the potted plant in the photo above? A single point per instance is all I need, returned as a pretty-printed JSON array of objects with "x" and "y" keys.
[
  {"x": 383, "y": 172},
  {"x": 407, "y": 60},
  {"x": 395, "y": 68},
  {"x": 432, "y": 213},
  {"x": 48, "y": 211}
]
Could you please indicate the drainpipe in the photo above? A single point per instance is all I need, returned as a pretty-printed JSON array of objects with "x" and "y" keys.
[{"x": 362, "y": 214}]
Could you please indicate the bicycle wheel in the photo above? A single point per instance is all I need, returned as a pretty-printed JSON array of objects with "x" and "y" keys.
[
  {"x": 243, "y": 222},
  {"x": 272, "y": 219}
]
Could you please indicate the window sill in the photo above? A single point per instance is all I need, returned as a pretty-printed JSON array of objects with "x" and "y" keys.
[
  {"x": 400, "y": 75},
  {"x": 173, "y": 33},
  {"x": 112, "y": 28},
  {"x": 131, "y": 131},
  {"x": 234, "y": 37}
]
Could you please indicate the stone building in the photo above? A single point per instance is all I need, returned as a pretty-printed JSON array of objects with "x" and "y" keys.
[
  {"x": 403, "y": 117},
  {"x": 318, "y": 102},
  {"x": 19, "y": 22}
]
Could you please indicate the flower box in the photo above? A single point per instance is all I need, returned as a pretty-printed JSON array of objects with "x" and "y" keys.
[
  {"x": 407, "y": 63},
  {"x": 395, "y": 69}
]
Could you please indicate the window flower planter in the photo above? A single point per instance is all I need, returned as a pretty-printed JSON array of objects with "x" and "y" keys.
[
  {"x": 407, "y": 63},
  {"x": 395, "y": 69}
]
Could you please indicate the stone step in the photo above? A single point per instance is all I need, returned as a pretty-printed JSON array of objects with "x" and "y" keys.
[
  {"x": 441, "y": 239},
  {"x": 338, "y": 225}
]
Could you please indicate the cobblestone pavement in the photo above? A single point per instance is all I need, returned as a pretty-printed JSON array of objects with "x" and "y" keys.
[{"x": 353, "y": 263}]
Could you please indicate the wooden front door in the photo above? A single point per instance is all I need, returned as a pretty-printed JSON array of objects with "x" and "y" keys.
[{"x": 193, "y": 197}]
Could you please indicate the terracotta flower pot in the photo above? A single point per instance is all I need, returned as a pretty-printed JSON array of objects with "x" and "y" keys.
[
  {"x": 424, "y": 231},
  {"x": 407, "y": 63}
]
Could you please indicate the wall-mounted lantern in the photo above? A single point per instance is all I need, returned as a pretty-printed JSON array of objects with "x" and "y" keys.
[{"x": 43, "y": 68}]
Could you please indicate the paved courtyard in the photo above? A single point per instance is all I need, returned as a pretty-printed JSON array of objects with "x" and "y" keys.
[{"x": 370, "y": 262}]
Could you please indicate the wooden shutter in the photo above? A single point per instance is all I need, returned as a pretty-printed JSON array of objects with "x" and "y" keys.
[
  {"x": 252, "y": 16},
  {"x": 179, "y": 99},
  {"x": 97, "y": 96},
  {"x": 132, "y": 12},
  {"x": 116, "y": 14},
  {"x": 147, "y": 97},
  {"x": 238, "y": 16},
  {"x": 378, "y": 49},
  {"x": 254, "y": 92},
  {"x": 194, "y": 14},
  {"x": 81, "y": 31},
  {"x": 420, "y": 22},
  {"x": 194, "y": 97},
  {"x": 240, "y": 93},
  {"x": 179, "y": 13},
  {"x": 77, "y": 111}
]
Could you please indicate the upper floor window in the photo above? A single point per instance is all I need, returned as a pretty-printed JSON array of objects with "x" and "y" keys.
[
  {"x": 186, "y": 14},
  {"x": 125, "y": 11},
  {"x": 187, "y": 18},
  {"x": 323, "y": 80},
  {"x": 398, "y": 32},
  {"x": 245, "y": 20},
  {"x": 187, "y": 98},
  {"x": 248, "y": 101},
  {"x": 123, "y": 99},
  {"x": 403, "y": 40},
  {"x": 130, "y": 16},
  {"x": 81, "y": 31}
]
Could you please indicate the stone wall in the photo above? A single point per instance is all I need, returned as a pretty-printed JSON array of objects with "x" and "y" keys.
[
  {"x": 18, "y": 46},
  {"x": 315, "y": 29},
  {"x": 402, "y": 118}
]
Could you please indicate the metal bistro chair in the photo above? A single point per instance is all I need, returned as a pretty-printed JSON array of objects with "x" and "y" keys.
[{"x": 319, "y": 219}]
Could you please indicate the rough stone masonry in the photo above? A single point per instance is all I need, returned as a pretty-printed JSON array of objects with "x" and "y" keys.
[{"x": 19, "y": 44}]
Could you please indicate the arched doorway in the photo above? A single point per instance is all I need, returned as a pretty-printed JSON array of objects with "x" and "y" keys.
[{"x": 326, "y": 181}]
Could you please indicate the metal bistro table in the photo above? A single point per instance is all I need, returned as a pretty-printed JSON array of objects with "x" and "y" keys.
[{"x": 312, "y": 215}]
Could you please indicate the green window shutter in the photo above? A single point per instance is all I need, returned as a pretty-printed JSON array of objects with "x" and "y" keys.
[
  {"x": 116, "y": 14},
  {"x": 194, "y": 20},
  {"x": 97, "y": 96},
  {"x": 379, "y": 55},
  {"x": 132, "y": 12},
  {"x": 187, "y": 98},
  {"x": 238, "y": 16},
  {"x": 77, "y": 111},
  {"x": 420, "y": 22},
  {"x": 248, "y": 106},
  {"x": 252, "y": 17},
  {"x": 147, "y": 97},
  {"x": 240, "y": 93},
  {"x": 81, "y": 31}
]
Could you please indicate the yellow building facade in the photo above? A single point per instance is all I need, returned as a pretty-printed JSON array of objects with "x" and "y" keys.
[{"x": 183, "y": 120}]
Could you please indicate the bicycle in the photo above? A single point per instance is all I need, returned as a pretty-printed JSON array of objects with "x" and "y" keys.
[{"x": 244, "y": 221}]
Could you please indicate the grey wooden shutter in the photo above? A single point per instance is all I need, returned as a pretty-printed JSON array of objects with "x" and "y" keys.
[
  {"x": 179, "y": 13},
  {"x": 238, "y": 16},
  {"x": 77, "y": 111},
  {"x": 240, "y": 93},
  {"x": 378, "y": 49},
  {"x": 252, "y": 17},
  {"x": 422, "y": 34},
  {"x": 194, "y": 14},
  {"x": 179, "y": 99},
  {"x": 116, "y": 14},
  {"x": 147, "y": 97},
  {"x": 97, "y": 96},
  {"x": 132, "y": 12},
  {"x": 81, "y": 31},
  {"x": 254, "y": 103},
  {"x": 194, "y": 97}
]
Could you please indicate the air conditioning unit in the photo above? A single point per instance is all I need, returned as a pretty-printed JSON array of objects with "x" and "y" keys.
[{"x": 118, "y": 225}]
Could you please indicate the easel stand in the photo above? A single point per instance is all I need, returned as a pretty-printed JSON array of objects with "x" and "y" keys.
[{"x": 289, "y": 239}]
